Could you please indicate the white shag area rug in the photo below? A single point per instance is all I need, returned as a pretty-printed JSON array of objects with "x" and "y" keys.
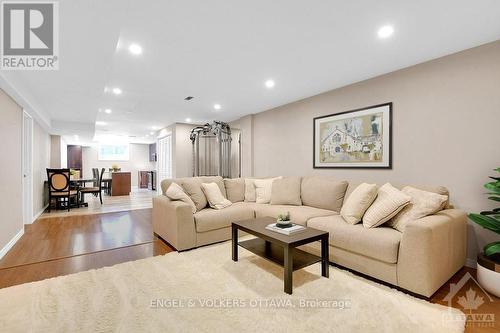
[{"x": 203, "y": 290}]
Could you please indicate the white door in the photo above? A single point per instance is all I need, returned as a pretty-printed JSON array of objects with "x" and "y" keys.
[
  {"x": 27, "y": 168},
  {"x": 164, "y": 153}
]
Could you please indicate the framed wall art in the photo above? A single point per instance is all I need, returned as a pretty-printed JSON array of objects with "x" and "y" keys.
[{"x": 360, "y": 138}]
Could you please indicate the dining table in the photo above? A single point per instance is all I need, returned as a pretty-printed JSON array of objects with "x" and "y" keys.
[{"x": 75, "y": 183}]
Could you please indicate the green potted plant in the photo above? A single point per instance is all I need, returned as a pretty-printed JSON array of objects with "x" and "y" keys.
[
  {"x": 283, "y": 219},
  {"x": 488, "y": 262}
]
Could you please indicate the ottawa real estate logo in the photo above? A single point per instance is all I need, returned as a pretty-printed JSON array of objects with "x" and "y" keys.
[{"x": 29, "y": 35}]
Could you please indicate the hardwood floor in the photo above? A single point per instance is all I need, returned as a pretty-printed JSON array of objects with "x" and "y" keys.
[
  {"x": 482, "y": 309},
  {"x": 138, "y": 199},
  {"x": 68, "y": 244},
  {"x": 65, "y": 244}
]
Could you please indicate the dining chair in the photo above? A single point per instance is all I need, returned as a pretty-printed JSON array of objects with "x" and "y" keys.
[
  {"x": 106, "y": 185},
  {"x": 95, "y": 176},
  {"x": 59, "y": 187},
  {"x": 94, "y": 189}
]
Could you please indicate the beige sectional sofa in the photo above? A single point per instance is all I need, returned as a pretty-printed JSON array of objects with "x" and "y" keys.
[{"x": 420, "y": 259}]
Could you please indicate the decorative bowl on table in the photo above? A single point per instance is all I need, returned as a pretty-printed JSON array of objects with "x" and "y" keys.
[
  {"x": 283, "y": 221},
  {"x": 283, "y": 224}
]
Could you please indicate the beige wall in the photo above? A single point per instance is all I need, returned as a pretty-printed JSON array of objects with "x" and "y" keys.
[
  {"x": 446, "y": 115},
  {"x": 11, "y": 221},
  {"x": 41, "y": 161},
  {"x": 55, "y": 151},
  {"x": 138, "y": 161},
  {"x": 58, "y": 152},
  {"x": 245, "y": 125}
]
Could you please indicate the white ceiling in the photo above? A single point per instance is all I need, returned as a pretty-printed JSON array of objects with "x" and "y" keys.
[{"x": 222, "y": 51}]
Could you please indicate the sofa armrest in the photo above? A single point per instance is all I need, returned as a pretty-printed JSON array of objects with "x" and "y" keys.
[
  {"x": 432, "y": 249},
  {"x": 173, "y": 221}
]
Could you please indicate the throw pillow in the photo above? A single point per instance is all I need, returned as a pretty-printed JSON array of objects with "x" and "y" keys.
[
  {"x": 286, "y": 191},
  {"x": 235, "y": 189},
  {"x": 422, "y": 203},
  {"x": 388, "y": 203},
  {"x": 192, "y": 186},
  {"x": 214, "y": 196},
  {"x": 323, "y": 192},
  {"x": 175, "y": 192},
  {"x": 263, "y": 189},
  {"x": 357, "y": 202},
  {"x": 217, "y": 180}
]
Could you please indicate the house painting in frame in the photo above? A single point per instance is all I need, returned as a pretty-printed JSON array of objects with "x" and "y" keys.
[{"x": 360, "y": 138}]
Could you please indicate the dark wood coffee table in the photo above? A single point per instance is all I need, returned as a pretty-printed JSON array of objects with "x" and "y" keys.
[{"x": 281, "y": 249}]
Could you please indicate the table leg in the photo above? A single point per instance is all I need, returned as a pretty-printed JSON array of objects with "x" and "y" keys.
[
  {"x": 267, "y": 247},
  {"x": 325, "y": 257},
  {"x": 288, "y": 268},
  {"x": 234, "y": 241}
]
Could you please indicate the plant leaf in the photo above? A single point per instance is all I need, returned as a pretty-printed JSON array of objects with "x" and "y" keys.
[
  {"x": 493, "y": 187},
  {"x": 488, "y": 212},
  {"x": 491, "y": 249},
  {"x": 495, "y": 178},
  {"x": 487, "y": 222},
  {"x": 494, "y": 198}
]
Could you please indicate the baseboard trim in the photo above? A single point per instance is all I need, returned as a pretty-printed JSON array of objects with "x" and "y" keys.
[
  {"x": 39, "y": 214},
  {"x": 470, "y": 263},
  {"x": 11, "y": 243}
]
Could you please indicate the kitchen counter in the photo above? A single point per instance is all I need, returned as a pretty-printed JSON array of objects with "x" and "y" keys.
[{"x": 121, "y": 183}]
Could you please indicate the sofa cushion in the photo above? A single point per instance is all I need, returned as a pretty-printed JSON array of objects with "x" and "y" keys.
[
  {"x": 192, "y": 186},
  {"x": 286, "y": 191},
  {"x": 435, "y": 189},
  {"x": 378, "y": 243},
  {"x": 175, "y": 192},
  {"x": 356, "y": 204},
  {"x": 214, "y": 196},
  {"x": 298, "y": 214},
  {"x": 388, "y": 203},
  {"x": 422, "y": 203},
  {"x": 250, "y": 190},
  {"x": 323, "y": 192},
  {"x": 166, "y": 183},
  {"x": 235, "y": 189},
  {"x": 212, "y": 219},
  {"x": 263, "y": 189},
  {"x": 215, "y": 179}
]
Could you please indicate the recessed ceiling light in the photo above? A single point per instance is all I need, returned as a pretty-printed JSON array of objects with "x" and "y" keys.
[
  {"x": 108, "y": 111},
  {"x": 269, "y": 84},
  {"x": 217, "y": 106},
  {"x": 135, "y": 49},
  {"x": 100, "y": 123},
  {"x": 117, "y": 91},
  {"x": 188, "y": 120},
  {"x": 385, "y": 31},
  {"x": 151, "y": 133},
  {"x": 155, "y": 128}
]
